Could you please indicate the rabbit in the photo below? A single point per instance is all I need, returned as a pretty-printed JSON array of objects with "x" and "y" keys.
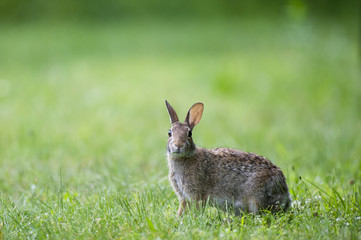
[{"x": 228, "y": 178}]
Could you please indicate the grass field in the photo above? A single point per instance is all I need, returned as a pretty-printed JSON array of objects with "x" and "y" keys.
[{"x": 84, "y": 127}]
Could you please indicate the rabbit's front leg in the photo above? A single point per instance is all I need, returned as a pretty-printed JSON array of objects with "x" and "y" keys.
[
  {"x": 182, "y": 207},
  {"x": 200, "y": 204}
]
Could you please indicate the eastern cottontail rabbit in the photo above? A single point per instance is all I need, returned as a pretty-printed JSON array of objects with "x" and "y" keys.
[{"x": 227, "y": 177}]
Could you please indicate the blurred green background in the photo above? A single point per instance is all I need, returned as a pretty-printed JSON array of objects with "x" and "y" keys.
[
  {"x": 83, "y": 124},
  {"x": 83, "y": 84},
  {"x": 20, "y": 10}
]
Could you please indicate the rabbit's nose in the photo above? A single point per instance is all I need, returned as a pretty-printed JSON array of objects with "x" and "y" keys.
[{"x": 178, "y": 145}]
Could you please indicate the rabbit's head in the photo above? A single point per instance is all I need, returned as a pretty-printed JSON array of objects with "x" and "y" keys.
[{"x": 180, "y": 142}]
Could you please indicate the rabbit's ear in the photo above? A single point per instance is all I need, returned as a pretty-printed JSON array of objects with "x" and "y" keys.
[
  {"x": 194, "y": 114},
  {"x": 172, "y": 114}
]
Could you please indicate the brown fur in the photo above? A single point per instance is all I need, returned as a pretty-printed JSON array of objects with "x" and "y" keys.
[{"x": 226, "y": 177}]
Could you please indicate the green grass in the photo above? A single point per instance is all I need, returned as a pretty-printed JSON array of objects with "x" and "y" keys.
[{"x": 84, "y": 126}]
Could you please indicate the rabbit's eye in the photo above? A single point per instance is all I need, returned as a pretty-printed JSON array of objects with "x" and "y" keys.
[
  {"x": 189, "y": 133},
  {"x": 170, "y": 133}
]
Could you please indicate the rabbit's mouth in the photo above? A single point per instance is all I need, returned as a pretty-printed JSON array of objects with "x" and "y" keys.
[
  {"x": 177, "y": 151},
  {"x": 180, "y": 153}
]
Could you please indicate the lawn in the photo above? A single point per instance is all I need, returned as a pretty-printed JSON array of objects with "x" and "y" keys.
[{"x": 84, "y": 126}]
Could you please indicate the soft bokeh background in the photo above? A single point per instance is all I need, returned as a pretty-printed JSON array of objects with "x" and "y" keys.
[
  {"x": 83, "y": 124},
  {"x": 83, "y": 84}
]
